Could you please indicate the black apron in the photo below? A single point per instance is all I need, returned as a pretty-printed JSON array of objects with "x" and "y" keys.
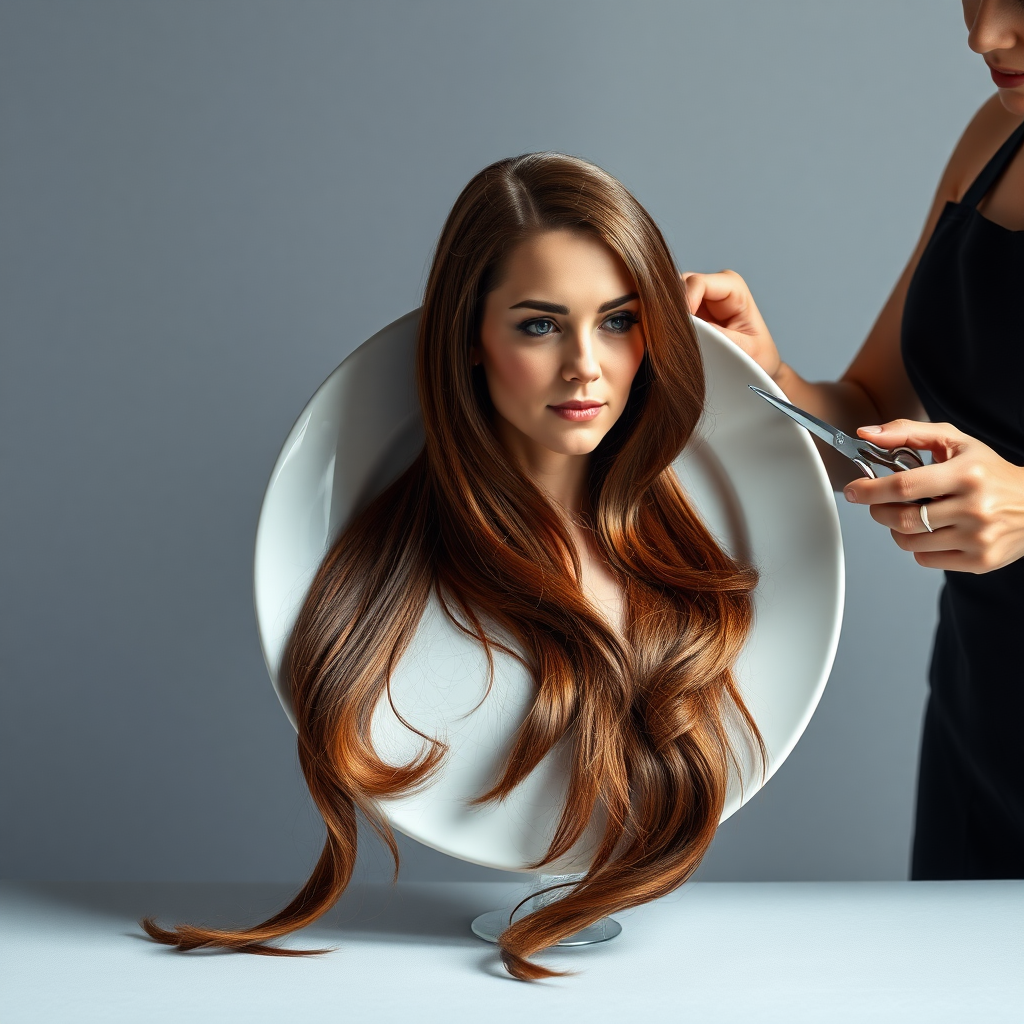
[{"x": 963, "y": 347}]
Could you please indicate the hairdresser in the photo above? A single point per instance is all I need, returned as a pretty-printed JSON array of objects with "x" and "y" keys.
[{"x": 942, "y": 370}]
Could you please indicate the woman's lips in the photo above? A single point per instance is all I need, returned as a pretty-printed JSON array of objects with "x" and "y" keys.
[
  {"x": 577, "y": 411},
  {"x": 1006, "y": 78}
]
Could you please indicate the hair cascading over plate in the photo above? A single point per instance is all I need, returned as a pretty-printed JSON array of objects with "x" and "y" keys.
[{"x": 645, "y": 718}]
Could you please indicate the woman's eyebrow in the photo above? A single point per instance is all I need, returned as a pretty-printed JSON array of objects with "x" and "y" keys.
[
  {"x": 551, "y": 307},
  {"x": 544, "y": 307},
  {"x": 618, "y": 302}
]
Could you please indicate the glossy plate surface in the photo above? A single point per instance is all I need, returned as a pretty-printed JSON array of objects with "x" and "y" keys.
[{"x": 752, "y": 473}]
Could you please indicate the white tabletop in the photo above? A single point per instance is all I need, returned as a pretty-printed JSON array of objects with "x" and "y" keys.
[{"x": 750, "y": 952}]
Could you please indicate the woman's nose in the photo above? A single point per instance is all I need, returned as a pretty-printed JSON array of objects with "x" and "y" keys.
[{"x": 581, "y": 359}]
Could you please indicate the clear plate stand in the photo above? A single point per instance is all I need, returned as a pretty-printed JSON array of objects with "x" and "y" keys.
[{"x": 490, "y": 925}]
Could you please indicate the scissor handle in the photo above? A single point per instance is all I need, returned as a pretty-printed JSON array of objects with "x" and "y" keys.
[
  {"x": 906, "y": 458},
  {"x": 866, "y": 468},
  {"x": 896, "y": 459}
]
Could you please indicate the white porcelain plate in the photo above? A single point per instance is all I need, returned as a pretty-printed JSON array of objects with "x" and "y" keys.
[{"x": 753, "y": 474}]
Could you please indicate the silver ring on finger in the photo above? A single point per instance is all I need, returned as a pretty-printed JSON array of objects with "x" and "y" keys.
[{"x": 924, "y": 518}]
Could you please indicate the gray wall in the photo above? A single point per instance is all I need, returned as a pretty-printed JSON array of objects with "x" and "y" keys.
[{"x": 205, "y": 206}]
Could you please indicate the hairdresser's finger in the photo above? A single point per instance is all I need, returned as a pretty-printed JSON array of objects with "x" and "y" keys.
[
  {"x": 941, "y": 540},
  {"x": 943, "y": 440},
  {"x": 905, "y": 518},
  {"x": 910, "y": 485}
]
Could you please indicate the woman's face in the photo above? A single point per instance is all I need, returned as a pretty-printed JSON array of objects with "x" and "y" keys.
[
  {"x": 997, "y": 32},
  {"x": 560, "y": 343}
]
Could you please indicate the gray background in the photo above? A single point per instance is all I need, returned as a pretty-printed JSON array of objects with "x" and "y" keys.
[{"x": 206, "y": 205}]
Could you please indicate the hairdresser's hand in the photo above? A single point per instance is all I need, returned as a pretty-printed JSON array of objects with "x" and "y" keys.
[
  {"x": 977, "y": 511},
  {"x": 724, "y": 300}
]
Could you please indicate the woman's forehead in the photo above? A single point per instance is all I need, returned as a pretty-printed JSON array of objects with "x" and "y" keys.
[{"x": 568, "y": 268}]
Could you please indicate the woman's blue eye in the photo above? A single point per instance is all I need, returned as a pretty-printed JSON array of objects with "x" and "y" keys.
[
  {"x": 538, "y": 328},
  {"x": 620, "y": 323}
]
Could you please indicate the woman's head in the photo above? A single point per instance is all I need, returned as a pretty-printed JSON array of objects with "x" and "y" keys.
[{"x": 527, "y": 238}]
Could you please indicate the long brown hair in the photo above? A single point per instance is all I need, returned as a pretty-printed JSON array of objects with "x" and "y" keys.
[{"x": 645, "y": 717}]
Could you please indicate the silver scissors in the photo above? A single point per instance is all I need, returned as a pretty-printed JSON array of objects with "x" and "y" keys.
[{"x": 863, "y": 454}]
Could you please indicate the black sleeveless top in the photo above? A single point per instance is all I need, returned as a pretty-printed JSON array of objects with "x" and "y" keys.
[{"x": 963, "y": 348}]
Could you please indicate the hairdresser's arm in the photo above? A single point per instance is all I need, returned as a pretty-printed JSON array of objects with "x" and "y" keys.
[{"x": 875, "y": 388}]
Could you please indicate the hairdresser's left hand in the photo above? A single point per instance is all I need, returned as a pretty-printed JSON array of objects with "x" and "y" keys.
[{"x": 977, "y": 511}]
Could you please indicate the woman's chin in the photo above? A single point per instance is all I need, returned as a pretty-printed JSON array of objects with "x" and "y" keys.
[{"x": 577, "y": 442}]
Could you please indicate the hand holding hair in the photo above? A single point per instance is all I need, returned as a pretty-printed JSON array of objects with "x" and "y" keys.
[
  {"x": 977, "y": 510},
  {"x": 724, "y": 300}
]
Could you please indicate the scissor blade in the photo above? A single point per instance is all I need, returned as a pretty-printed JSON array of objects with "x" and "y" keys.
[{"x": 819, "y": 428}]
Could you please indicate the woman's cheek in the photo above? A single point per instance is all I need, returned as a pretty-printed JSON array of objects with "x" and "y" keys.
[{"x": 523, "y": 379}]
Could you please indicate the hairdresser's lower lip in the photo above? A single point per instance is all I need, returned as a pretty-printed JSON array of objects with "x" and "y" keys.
[
  {"x": 576, "y": 413},
  {"x": 1006, "y": 81}
]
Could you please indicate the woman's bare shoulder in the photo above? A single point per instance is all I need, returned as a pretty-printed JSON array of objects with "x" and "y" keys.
[{"x": 986, "y": 132}]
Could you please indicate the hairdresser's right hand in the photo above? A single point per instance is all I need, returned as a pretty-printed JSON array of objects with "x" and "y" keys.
[{"x": 724, "y": 300}]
